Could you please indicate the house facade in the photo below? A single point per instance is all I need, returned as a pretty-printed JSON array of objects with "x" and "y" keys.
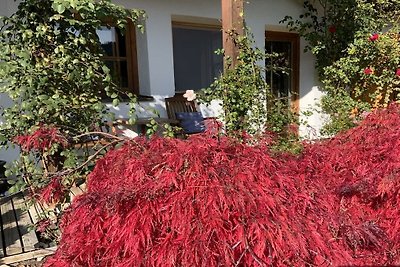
[{"x": 176, "y": 52}]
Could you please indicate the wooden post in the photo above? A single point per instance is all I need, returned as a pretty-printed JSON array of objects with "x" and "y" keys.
[{"x": 232, "y": 22}]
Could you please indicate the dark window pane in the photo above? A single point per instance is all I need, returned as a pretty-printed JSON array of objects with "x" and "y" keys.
[
  {"x": 195, "y": 62},
  {"x": 119, "y": 72},
  {"x": 120, "y": 55},
  {"x": 107, "y": 39},
  {"x": 279, "y": 81},
  {"x": 112, "y": 41},
  {"x": 124, "y": 74},
  {"x": 113, "y": 70},
  {"x": 121, "y": 43}
]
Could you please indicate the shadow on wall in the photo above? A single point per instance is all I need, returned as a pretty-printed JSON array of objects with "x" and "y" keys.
[{"x": 311, "y": 116}]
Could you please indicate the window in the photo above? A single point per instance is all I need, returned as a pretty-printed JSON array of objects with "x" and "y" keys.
[
  {"x": 285, "y": 86},
  {"x": 120, "y": 56},
  {"x": 196, "y": 64}
]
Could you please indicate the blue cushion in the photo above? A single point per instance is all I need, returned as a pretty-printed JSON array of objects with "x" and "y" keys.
[{"x": 191, "y": 122}]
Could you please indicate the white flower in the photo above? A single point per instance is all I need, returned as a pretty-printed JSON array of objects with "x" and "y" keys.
[{"x": 190, "y": 95}]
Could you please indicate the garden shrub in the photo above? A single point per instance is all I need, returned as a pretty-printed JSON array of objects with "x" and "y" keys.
[
  {"x": 357, "y": 49},
  {"x": 248, "y": 104},
  {"x": 213, "y": 201},
  {"x": 53, "y": 71}
]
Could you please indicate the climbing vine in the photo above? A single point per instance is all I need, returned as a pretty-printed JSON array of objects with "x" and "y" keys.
[{"x": 247, "y": 102}]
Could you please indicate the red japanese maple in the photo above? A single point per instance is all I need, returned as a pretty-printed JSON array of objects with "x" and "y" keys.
[
  {"x": 215, "y": 202},
  {"x": 41, "y": 139}
]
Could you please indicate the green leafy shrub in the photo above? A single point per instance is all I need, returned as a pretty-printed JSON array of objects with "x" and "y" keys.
[
  {"x": 357, "y": 51},
  {"x": 248, "y": 105},
  {"x": 51, "y": 69}
]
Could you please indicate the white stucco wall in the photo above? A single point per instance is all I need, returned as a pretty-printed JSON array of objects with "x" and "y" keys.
[{"x": 155, "y": 50}]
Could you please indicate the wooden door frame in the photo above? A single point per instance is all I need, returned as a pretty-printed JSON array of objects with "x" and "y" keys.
[
  {"x": 232, "y": 23},
  {"x": 294, "y": 39}
]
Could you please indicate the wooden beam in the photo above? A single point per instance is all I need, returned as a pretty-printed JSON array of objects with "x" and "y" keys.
[
  {"x": 37, "y": 254},
  {"x": 232, "y": 22}
]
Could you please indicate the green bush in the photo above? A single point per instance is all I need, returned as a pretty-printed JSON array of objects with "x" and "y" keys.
[
  {"x": 51, "y": 69},
  {"x": 357, "y": 49},
  {"x": 248, "y": 105}
]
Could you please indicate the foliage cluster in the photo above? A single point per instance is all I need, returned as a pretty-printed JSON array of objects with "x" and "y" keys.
[
  {"x": 213, "y": 201},
  {"x": 242, "y": 89},
  {"x": 357, "y": 47},
  {"x": 248, "y": 103},
  {"x": 52, "y": 71}
]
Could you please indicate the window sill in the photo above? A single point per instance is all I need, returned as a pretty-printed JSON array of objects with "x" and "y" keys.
[
  {"x": 141, "y": 98},
  {"x": 145, "y": 98}
]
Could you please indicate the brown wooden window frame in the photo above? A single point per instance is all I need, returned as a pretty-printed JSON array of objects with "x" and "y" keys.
[
  {"x": 197, "y": 25},
  {"x": 131, "y": 56},
  {"x": 294, "y": 39}
]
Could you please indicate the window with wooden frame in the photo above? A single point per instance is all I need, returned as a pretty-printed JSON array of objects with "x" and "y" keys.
[
  {"x": 120, "y": 56},
  {"x": 285, "y": 86},
  {"x": 196, "y": 64}
]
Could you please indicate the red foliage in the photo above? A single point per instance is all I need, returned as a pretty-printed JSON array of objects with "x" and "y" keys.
[
  {"x": 214, "y": 202},
  {"x": 368, "y": 71},
  {"x": 374, "y": 37},
  {"x": 53, "y": 192},
  {"x": 42, "y": 225},
  {"x": 332, "y": 29},
  {"x": 40, "y": 140}
]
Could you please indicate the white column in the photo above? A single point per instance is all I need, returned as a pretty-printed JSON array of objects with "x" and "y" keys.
[{"x": 160, "y": 53}]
